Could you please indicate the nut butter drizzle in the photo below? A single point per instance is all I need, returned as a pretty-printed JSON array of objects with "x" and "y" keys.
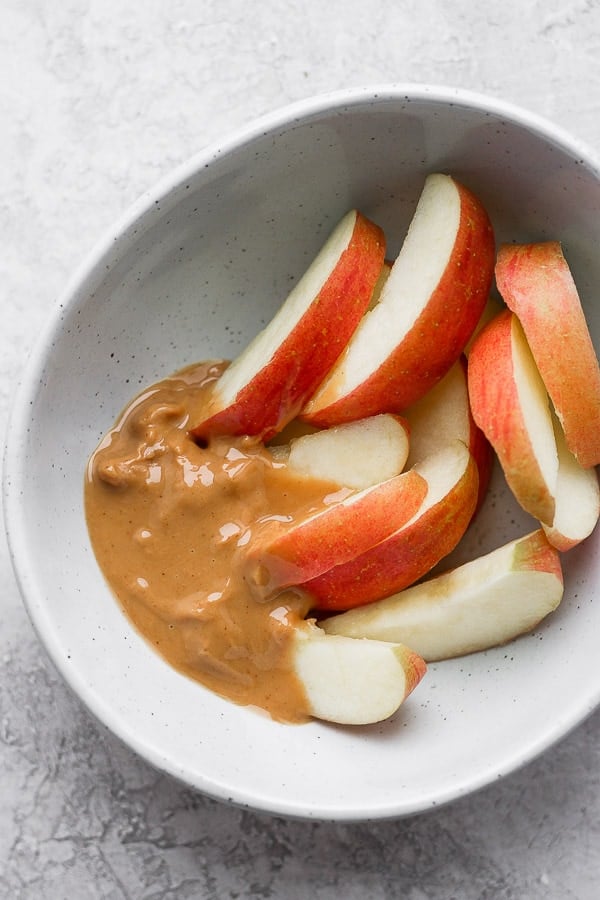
[{"x": 168, "y": 522}]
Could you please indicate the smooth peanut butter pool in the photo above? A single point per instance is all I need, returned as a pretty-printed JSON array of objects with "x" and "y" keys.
[{"x": 169, "y": 522}]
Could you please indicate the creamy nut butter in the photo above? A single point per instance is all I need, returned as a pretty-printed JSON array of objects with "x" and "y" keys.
[{"x": 169, "y": 521}]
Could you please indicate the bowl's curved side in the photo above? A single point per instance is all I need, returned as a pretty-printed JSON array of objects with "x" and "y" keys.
[{"x": 192, "y": 271}]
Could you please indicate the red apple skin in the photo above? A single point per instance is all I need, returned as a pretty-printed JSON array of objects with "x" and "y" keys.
[
  {"x": 404, "y": 557},
  {"x": 415, "y": 668},
  {"x": 537, "y": 285},
  {"x": 536, "y": 553},
  {"x": 439, "y": 335},
  {"x": 282, "y": 556},
  {"x": 497, "y": 412},
  {"x": 279, "y": 390}
]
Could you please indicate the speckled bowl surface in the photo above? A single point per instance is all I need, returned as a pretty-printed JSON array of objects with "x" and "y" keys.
[{"x": 193, "y": 271}]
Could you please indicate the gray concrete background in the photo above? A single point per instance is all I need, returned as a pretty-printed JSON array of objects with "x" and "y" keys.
[{"x": 97, "y": 100}]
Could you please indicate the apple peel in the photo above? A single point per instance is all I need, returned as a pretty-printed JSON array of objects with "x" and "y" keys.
[
  {"x": 429, "y": 306},
  {"x": 482, "y": 604},
  {"x": 510, "y": 404},
  {"x": 536, "y": 283},
  {"x": 282, "y": 555},
  {"x": 416, "y": 547},
  {"x": 354, "y": 682},
  {"x": 268, "y": 383}
]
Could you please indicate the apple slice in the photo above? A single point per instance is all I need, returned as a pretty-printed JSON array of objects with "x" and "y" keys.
[
  {"x": 444, "y": 415},
  {"x": 353, "y": 682},
  {"x": 510, "y": 404},
  {"x": 536, "y": 283},
  {"x": 413, "y": 549},
  {"x": 357, "y": 455},
  {"x": 429, "y": 307},
  {"x": 481, "y": 604},
  {"x": 263, "y": 389},
  {"x": 281, "y": 554},
  {"x": 577, "y": 499}
]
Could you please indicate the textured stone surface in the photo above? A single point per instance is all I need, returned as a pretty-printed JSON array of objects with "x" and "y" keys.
[{"x": 97, "y": 100}]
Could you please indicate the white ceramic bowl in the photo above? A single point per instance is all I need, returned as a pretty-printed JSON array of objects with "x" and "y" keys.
[{"x": 193, "y": 271}]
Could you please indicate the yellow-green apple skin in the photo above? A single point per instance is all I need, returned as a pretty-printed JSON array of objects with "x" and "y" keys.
[
  {"x": 413, "y": 549},
  {"x": 536, "y": 283},
  {"x": 353, "y": 682},
  {"x": 511, "y": 406},
  {"x": 269, "y": 382},
  {"x": 429, "y": 307},
  {"x": 281, "y": 554},
  {"x": 481, "y": 604}
]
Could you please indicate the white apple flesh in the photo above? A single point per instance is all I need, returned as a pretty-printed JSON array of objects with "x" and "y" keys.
[
  {"x": 479, "y": 605},
  {"x": 536, "y": 282},
  {"x": 577, "y": 499},
  {"x": 356, "y": 455},
  {"x": 290, "y": 553},
  {"x": 444, "y": 415},
  {"x": 510, "y": 404},
  {"x": 353, "y": 682},
  {"x": 429, "y": 306},
  {"x": 269, "y": 382},
  {"x": 410, "y": 551}
]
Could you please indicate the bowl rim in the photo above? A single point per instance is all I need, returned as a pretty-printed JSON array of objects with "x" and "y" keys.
[{"x": 38, "y": 354}]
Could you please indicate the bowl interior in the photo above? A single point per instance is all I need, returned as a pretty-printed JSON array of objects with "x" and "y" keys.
[{"x": 193, "y": 272}]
